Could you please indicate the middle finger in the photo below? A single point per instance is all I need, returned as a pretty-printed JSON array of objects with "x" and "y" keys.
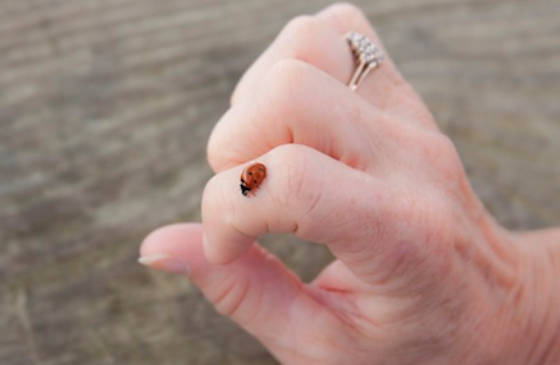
[{"x": 297, "y": 103}]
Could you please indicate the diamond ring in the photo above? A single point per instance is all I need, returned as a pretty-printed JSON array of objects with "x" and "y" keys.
[{"x": 366, "y": 54}]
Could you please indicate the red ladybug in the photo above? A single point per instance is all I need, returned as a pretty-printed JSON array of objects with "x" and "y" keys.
[{"x": 252, "y": 177}]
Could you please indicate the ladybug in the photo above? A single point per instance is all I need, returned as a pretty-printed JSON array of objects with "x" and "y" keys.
[{"x": 252, "y": 177}]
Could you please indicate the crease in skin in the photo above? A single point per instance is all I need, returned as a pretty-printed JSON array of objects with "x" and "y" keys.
[
  {"x": 317, "y": 173},
  {"x": 551, "y": 348},
  {"x": 497, "y": 260},
  {"x": 253, "y": 316},
  {"x": 225, "y": 292},
  {"x": 308, "y": 342},
  {"x": 459, "y": 281},
  {"x": 547, "y": 325},
  {"x": 238, "y": 302},
  {"x": 343, "y": 305}
]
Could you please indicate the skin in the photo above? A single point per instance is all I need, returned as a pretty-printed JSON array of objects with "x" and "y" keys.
[{"x": 423, "y": 273}]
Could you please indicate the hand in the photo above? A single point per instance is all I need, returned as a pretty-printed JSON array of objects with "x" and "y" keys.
[{"x": 423, "y": 274}]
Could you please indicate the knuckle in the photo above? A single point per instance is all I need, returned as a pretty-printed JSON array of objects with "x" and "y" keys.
[
  {"x": 287, "y": 68},
  {"x": 209, "y": 201},
  {"x": 218, "y": 197},
  {"x": 291, "y": 173},
  {"x": 300, "y": 37},
  {"x": 299, "y": 29},
  {"x": 443, "y": 150},
  {"x": 223, "y": 134},
  {"x": 437, "y": 152},
  {"x": 348, "y": 10},
  {"x": 215, "y": 152},
  {"x": 212, "y": 184},
  {"x": 287, "y": 82},
  {"x": 299, "y": 186},
  {"x": 444, "y": 144}
]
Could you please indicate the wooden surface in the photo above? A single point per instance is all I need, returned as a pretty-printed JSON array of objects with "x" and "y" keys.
[{"x": 105, "y": 108}]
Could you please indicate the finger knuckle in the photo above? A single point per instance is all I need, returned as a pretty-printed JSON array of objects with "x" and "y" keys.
[
  {"x": 212, "y": 196},
  {"x": 216, "y": 155},
  {"x": 348, "y": 10},
  {"x": 442, "y": 153},
  {"x": 291, "y": 163},
  {"x": 299, "y": 184},
  {"x": 288, "y": 83},
  {"x": 293, "y": 175},
  {"x": 287, "y": 70},
  {"x": 300, "y": 39},
  {"x": 300, "y": 29}
]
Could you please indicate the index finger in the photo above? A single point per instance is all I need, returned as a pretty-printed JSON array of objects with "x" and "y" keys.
[
  {"x": 316, "y": 198},
  {"x": 300, "y": 195}
]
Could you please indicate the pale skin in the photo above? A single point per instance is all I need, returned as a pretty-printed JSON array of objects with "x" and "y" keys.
[{"x": 423, "y": 274}]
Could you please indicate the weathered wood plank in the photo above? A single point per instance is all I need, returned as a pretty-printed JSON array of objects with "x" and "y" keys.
[{"x": 105, "y": 106}]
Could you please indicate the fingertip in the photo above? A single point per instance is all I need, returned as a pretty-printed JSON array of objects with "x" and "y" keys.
[
  {"x": 165, "y": 263},
  {"x": 171, "y": 237}
]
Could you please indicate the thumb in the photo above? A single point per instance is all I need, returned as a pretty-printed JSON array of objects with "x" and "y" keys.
[{"x": 256, "y": 291}]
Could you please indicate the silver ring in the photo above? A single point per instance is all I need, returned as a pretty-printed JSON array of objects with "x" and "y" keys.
[{"x": 366, "y": 54}]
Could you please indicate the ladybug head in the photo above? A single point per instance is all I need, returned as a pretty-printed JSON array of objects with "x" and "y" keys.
[{"x": 244, "y": 189}]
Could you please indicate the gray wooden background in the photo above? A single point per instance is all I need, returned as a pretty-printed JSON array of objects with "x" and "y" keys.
[{"x": 105, "y": 107}]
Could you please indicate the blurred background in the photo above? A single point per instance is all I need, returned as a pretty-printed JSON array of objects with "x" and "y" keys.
[{"x": 105, "y": 109}]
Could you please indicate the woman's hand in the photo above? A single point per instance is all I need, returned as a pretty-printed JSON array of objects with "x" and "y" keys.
[{"x": 423, "y": 274}]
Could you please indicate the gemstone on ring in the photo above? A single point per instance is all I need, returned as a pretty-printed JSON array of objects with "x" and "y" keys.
[{"x": 366, "y": 54}]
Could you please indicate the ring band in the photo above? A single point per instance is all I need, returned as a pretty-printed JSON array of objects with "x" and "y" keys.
[{"x": 366, "y": 54}]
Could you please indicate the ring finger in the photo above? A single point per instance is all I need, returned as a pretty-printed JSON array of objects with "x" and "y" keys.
[
  {"x": 384, "y": 87},
  {"x": 319, "y": 41},
  {"x": 303, "y": 194}
]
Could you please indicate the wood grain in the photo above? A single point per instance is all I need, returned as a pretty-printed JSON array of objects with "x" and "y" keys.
[{"x": 105, "y": 107}]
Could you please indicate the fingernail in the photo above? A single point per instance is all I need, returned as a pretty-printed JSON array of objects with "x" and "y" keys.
[{"x": 164, "y": 263}]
